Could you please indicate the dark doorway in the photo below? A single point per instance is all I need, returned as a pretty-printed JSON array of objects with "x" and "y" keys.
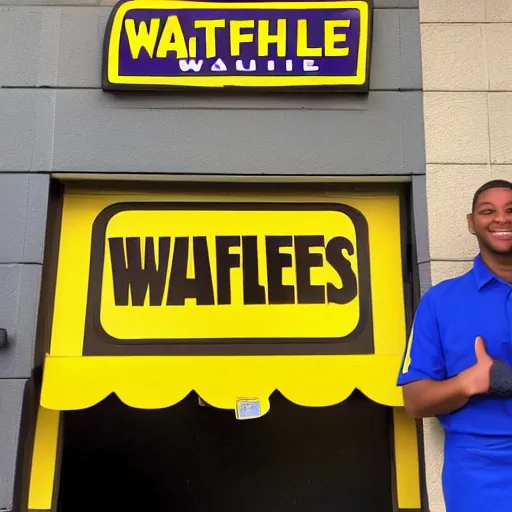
[{"x": 189, "y": 458}]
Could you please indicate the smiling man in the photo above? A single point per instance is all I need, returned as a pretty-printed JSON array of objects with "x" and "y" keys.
[{"x": 458, "y": 363}]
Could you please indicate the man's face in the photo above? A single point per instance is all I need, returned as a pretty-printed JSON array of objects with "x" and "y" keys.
[{"x": 491, "y": 221}]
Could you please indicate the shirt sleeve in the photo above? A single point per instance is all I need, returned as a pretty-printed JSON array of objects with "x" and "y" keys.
[{"x": 424, "y": 355}]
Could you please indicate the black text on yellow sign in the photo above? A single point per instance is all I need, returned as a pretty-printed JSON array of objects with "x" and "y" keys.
[
  {"x": 235, "y": 278},
  {"x": 143, "y": 268}
]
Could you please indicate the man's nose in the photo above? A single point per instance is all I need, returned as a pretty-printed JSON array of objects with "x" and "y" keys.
[{"x": 503, "y": 217}]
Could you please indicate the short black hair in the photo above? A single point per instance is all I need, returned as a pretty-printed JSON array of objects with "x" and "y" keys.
[{"x": 488, "y": 186}]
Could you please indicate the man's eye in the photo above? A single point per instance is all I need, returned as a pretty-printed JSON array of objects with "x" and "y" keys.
[{"x": 485, "y": 212}]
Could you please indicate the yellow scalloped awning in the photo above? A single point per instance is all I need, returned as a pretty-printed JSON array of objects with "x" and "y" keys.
[
  {"x": 158, "y": 382},
  {"x": 160, "y": 294}
]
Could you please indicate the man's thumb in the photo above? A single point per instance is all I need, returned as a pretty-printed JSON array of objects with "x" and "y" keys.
[{"x": 480, "y": 350}]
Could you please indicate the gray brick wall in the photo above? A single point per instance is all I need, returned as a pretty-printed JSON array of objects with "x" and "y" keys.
[
  {"x": 23, "y": 206},
  {"x": 72, "y": 126}
]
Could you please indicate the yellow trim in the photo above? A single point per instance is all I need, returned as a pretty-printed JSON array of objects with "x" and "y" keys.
[
  {"x": 407, "y": 356},
  {"x": 44, "y": 459},
  {"x": 406, "y": 460},
  {"x": 242, "y": 81}
]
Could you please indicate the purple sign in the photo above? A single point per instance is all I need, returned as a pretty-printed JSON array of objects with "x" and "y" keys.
[{"x": 166, "y": 44}]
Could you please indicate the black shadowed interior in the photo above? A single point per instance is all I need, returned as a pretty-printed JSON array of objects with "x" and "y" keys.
[{"x": 190, "y": 458}]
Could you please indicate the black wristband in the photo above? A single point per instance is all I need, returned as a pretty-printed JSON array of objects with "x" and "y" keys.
[{"x": 501, "y": 379}]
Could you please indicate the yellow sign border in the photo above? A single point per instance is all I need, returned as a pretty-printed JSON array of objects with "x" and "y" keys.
[{"x": 114, "y": 37}]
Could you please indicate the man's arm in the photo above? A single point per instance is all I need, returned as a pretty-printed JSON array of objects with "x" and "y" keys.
[
  {"x": 426, "y": 398},
  {"x": 427, "y": 390}
]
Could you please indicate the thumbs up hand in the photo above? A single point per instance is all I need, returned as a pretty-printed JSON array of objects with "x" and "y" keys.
[
  {"x": 481, "y": 352},
  {"x": 476, "y": 379}
]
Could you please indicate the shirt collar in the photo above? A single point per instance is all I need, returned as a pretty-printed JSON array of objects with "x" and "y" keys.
[{"x": 483, "y": 274}]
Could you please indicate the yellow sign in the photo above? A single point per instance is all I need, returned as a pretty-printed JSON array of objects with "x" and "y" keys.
[
  {"x": 296, "y": 291},
  {"x": 229, "y": 273},
  {"x": 167, "y": 44}
]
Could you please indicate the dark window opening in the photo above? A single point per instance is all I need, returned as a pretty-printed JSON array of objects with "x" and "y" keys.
[{"x": 190, "y": 458}]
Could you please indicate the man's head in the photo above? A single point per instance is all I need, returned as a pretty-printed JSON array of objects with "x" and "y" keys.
[{"x": 490, "y": 219}]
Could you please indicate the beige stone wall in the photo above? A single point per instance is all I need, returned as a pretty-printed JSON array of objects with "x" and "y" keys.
[{"x": 467, "y": 82}]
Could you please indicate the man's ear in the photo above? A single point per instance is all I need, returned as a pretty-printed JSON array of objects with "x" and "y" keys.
[{"x": 471, "y": 226}]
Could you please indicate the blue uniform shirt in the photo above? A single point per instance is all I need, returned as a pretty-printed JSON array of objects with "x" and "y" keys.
[{"x": 449, "y": 318}]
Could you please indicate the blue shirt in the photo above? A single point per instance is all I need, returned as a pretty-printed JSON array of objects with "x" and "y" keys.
[{"x": 448, "y": 319}]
